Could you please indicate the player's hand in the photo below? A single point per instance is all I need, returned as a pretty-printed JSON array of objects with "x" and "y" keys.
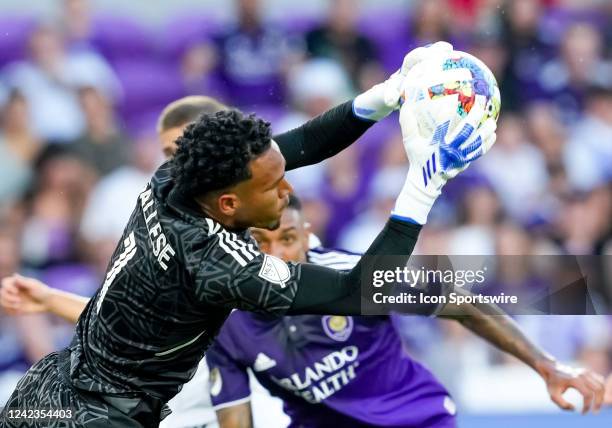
[
  {"x": 380, "y": 100},
  {"x": 435, "y": 160},
  {"x": 559, "y": 378},
  {"x": 23, "y": 295},
  {"x": 447, "y": 153},
  {"x": 608, "y": 395}
]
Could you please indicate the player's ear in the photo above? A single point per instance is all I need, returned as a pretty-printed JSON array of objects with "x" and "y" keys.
[{"x": 228, "y": 203}]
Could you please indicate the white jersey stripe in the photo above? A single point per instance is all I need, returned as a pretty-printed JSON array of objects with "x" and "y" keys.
[
  {"x": 229, "y": 251},
  {"x": 176, "y": 348},
  {"x": 213, "y": 227},
  {"x": 332, "y": 255},
  {"x": 127, "y": 254},
  {"x": 334, "y": 259},
  {"x": 237, "y": 244}
]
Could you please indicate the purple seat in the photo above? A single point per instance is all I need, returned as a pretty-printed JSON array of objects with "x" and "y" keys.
[
  {"x": 373, "y": 142},
  {"x": 138, "y": 123},
  {"x": 187, "y": 30},
  {"x": 14, "y": 36},
  {"x": 147, "y": 84},
  {"x": 269, "y": 112},
  {"x": 556, "y": 21},
  {"x": 298, "y": 24},
  {"x": 74, "y": 278},
  {"x": 120, "y": 37},
  {"x": 391, "y": 39}
]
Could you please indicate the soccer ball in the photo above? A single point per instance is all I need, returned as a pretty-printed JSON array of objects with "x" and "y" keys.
[{"x": 445, "y": 88}]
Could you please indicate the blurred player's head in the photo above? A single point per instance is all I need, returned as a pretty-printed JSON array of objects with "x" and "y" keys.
[
  {"x": 179, "y": 114},
  {"x": 290, "y": 241},
  {"x": 248, "y": 12},
  {"x": 230, "y": 165}
]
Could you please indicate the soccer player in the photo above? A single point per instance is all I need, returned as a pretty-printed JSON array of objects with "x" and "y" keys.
[
  {"x": 348, "y": 371},
  {"x": 20, "y": 295},
  {"x": 186, "y": 260}
]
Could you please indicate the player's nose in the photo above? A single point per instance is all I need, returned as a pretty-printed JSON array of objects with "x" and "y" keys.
[{"x": 286, "y": 188}]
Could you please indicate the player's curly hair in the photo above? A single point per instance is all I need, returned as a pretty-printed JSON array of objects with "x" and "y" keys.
[{"x": 214, "y": 151}]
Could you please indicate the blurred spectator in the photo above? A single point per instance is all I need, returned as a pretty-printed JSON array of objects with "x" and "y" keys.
[
  {"x": 469, "y": 353},
  {"x": 102, "y": 145},
  {"x": 315, "y": 86},
  {"x": 548, "y": 132},
  {"x": 49, "y": 81},
  {"x": 527, "y": 51},
  {"x": 521, "y": 194},
  {"x": 254, "y": 56},
  {"x": 565, "y": 79},
  {"x": 383, "y": 190},
  {"x": 198, "y": 70},
  {"x": 76, "y": 22},
  {"x": 339, "y": 182},
  {"x": 312, "y": 87},
  {"x": 584, "y": 222},
  {"x": 101, "y": 227},
  {"x": 564, "y": 336},
  {"x": 490, "y": 50},
  {"x": 430, "y": 22},
  {"x": 588, "y": 155},
  {"x": 18, "y": 148},
  {"x": 62, "y": 186},
  {"x": 479, "y": 213},
  {"x": 339, "y": 38},
  {"x": 516, "y": 270}
]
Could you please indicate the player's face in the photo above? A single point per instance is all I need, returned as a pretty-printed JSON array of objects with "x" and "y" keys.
[
  {"x": 289, "y": 242},
  {"x": 264, "y": 196},
  {"x": 168, "y": 140}
]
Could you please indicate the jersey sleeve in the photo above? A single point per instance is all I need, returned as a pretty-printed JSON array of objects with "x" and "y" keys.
[
  {"x": 235, "y": 274},
  {"x": 228, "y": 379}
]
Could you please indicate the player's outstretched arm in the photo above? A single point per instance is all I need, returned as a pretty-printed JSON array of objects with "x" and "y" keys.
[
  {"x": 444, "y": 155},
  {"x": 495, "y": 326},
  {"x": 238, "y": 416},
  {"x": 23, "y": 295},
  {"x": 336, "y": 129},
  {"x": 263, "y": 283}
]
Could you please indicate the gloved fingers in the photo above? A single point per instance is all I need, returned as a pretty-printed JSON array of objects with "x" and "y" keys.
[
  {"x": 466, "y": 127},
  {"x": 473, "y": 148},
  {"x": 486, "y": 132},
  {"x": 419, "y": 54},
  {"x": 408, "y": 123}
]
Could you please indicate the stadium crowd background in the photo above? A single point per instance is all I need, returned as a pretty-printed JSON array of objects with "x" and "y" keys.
[{"x": 81, "y": 86}]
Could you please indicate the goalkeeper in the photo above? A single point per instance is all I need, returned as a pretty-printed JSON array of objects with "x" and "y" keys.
[{"x": 186, "y": 259}]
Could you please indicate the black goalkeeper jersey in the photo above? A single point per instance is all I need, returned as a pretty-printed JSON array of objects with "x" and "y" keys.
[
  {"x": 176, "y": 276},
  {"x": 169, "y": 287}
]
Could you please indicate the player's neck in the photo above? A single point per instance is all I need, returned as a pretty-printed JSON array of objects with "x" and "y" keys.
[{"x": 210, "y": 211}]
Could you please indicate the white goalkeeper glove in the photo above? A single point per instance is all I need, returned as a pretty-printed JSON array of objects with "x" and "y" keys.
[
  {"x": 433, "y": 161},
  {"x": 382, "y": 99}
]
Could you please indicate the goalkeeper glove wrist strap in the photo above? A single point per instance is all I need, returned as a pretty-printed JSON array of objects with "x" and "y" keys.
[{"x": 413, "y": 204}]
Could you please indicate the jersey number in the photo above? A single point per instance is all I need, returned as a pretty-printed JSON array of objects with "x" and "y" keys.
[{"x": 128, "y": 252}]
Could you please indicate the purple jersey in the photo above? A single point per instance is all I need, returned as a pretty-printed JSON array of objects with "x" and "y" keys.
[{"x": 339, "y": 370}]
